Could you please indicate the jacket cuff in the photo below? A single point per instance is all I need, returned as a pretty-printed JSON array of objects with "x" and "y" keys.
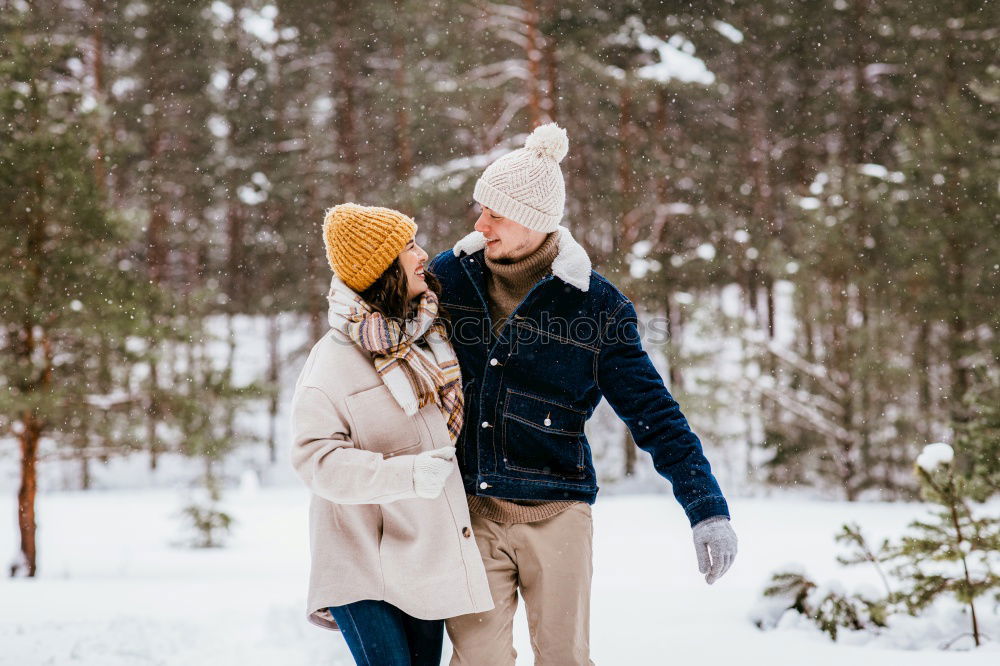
[
  {"x": 707, "y": 507},
  {"x": 710, "y": 521},
  {"x": 399, "y": 478}
]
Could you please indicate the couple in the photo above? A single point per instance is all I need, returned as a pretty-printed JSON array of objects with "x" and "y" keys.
[{"x": 439, "y": 425}]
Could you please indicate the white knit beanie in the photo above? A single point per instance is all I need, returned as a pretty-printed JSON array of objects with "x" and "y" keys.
[{"x": 526, "y": 185}]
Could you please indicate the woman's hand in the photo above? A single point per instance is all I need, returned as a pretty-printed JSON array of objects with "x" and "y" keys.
[{"x": 431, "y": 470}]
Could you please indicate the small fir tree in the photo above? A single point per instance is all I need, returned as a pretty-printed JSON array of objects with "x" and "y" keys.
[
  {"x": 954, "y": 536},
  {"x": 830, "y": 608},
  {"x": 210, "y": 525},
  {"x": 949, "y": 553}
]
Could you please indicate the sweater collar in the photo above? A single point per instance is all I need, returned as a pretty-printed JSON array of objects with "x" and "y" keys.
[
  {"x": 571, "y": 263},
  {"x": 519, "y": 276}
]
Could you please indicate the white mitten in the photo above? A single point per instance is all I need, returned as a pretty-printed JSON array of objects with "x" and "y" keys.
[{"x": 431, "y": 470}]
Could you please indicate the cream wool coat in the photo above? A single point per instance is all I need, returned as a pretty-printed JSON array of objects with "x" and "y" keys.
[{"x": 371, "y": 536}]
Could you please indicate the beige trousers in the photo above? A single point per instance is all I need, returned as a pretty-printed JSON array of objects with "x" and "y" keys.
[{"x": 551, "y": 562}]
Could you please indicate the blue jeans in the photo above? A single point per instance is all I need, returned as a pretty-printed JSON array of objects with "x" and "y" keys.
[{"x": 379, "y": 634}]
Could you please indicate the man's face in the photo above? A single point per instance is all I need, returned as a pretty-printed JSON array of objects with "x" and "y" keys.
[{"x": 506, "y": 240}]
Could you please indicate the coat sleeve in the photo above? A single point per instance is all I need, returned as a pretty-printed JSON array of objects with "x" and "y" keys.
[
  {"x": 634, "y": 388},
  {"x": 325, "y": 458}
]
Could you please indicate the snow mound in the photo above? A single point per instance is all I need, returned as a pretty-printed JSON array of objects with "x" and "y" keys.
[{"x": 935, "y": 454}]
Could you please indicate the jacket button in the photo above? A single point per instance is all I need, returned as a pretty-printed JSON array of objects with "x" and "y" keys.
[
  {"x": 493, "y": 361},
  {"x": 466, "y": 532},
  {"x": 486, "y": 424},
  {"x": 484, "y": 485}
]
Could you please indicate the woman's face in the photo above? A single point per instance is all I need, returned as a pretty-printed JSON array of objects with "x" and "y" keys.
[{"x": 412, "y": 260}]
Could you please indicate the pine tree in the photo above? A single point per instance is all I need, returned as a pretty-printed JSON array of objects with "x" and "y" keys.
[
  {"x": 978, "y": 439},
  {"x": 69, "y": 302},
  {"x": 950, "y": 553},
  {"x": 954, "y": 536}
]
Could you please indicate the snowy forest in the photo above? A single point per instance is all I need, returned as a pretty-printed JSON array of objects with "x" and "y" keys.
[{"x": 801, "y": 198}]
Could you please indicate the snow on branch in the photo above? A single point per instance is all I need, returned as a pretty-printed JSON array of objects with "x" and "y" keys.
[
  {"x": 517, "y": 102},
  {"x": 109, "y": 400},
  {"x": 505, "y": 11},
  {"x": 515, "y": 37},
  {"x": 934, "y": 455},
  {"x": 814, "y": 370},
  {"x": 309, "y": 62},
  {"x": 497, "y": 73},
  {"x": 433, "y": 173},
  {"x": 812, "y": 416}
]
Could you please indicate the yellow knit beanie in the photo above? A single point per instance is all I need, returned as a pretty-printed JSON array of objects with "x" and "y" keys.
[{"x": 363, "y": 241}]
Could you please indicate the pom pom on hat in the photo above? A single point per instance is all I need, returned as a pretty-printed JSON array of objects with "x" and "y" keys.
[{"x": 549, "y": 140}]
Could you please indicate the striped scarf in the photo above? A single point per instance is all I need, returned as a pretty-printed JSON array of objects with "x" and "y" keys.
[{"x": 415, "y": 375}]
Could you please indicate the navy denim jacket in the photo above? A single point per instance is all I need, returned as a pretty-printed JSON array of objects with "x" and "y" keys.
[{"x": 529, "y": 389}]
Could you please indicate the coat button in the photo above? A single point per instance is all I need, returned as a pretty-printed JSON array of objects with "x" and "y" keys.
[
  {"x": 466, "y": 532},
  {"x": 493, "y": 361},
  {"x": 484, "y": 485},
  {"x": 486, "y": 424}
]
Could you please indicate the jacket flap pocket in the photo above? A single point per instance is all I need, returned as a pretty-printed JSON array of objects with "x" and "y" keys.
[
  {"x": 543, "y": 414},
  {"x": 379, "y": 423}
]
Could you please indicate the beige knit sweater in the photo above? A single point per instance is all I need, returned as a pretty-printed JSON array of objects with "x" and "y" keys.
[{"x": 508, "y": 285}]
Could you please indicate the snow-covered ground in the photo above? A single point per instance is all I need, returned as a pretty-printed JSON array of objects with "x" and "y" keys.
[{"x": 113, "y": 591}]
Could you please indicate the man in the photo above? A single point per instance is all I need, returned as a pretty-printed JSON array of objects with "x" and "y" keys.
[{"x": 557, "y": 337}]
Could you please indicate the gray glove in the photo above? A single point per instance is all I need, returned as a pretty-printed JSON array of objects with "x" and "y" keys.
[
  {"x": 431, "y": 470},
  {"x": 715, "y": 546}
]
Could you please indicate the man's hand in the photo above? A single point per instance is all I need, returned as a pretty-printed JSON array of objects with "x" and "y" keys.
[{"x": 715, "y": 546}]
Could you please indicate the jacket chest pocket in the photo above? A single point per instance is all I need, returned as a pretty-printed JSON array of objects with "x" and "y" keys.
[
  {"x": 379, "y": 424},
  {"x": 542, "y": 437},
  {"x": 567, "y": 361}
]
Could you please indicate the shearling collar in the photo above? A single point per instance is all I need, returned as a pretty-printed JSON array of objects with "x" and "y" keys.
[{"x": 571, "y": 265}]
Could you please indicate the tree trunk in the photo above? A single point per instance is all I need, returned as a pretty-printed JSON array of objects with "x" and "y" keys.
[
  {"x": 152, "y": 415},
  {"x": 404, "y": 149},
  {"x": 630, "y": 453},
  {"x": 674, "y": 326},
  {"x": 534, "y": 56},
  {"x": 923, "y": 363},
  {"x": 97, "y": 70},
  {"x": 752, "y": 276},
  {"x": 809, "y": 325},
  {"x": 841, "y": 358},
  {"x": 769, "y": 290},
  {"x": 626, "y": 237},
  {"x": 317, "y": 267},
  {"x": 550, "y": 61},
  {"x": 230, "y": 364},
  {"x": 26, "y": 562},
  {"x": 235, "y": 253},
  {"x": 344, "y": 82},
  {"x": 273, "y": 375},
  {"x": 85, "y": 478},
  {"x": 29, "y": 339}
]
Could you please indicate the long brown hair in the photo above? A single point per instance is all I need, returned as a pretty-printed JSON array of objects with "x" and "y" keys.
[{"x": 388, "y": 294}]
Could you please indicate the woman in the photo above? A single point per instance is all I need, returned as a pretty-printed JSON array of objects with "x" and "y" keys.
[{"x": 376, "y": 411}]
